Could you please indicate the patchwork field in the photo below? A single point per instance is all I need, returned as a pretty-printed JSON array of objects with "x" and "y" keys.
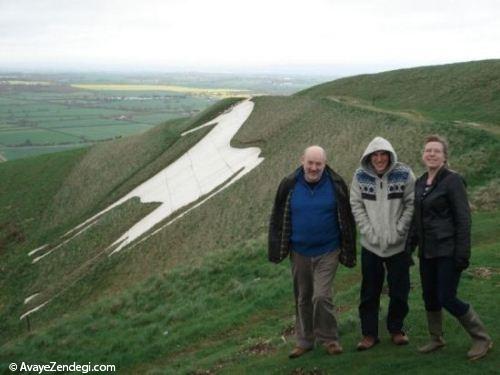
[
  {"x": 46, "y": 113},
  {"x": 33, "y": 121}
]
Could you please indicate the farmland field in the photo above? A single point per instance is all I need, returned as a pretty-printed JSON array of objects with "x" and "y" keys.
[
  {"x": 170, "y": 88},
  {"x": 33, "y": 121},
  {"x": 41, "y": 113}
]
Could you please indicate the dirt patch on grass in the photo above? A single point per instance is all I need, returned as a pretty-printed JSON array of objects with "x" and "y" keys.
[
  {"x": 261, "y": 348},
  {"x": 342, "y": 308},
  {"x": 301, "y": 371},
  {"x": 207, "y": 372},
  {"x": 484, "y": 272},
  {"x": 10, "y": 233},
  {"x": 288, "y": 331},
  {"x": 486, "y": 198}
]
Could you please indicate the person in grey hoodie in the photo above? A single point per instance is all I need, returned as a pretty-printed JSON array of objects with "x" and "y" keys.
[{"x": 382, "y": 195}]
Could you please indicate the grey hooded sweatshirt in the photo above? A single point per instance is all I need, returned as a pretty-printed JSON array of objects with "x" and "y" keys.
[{"x": 383, "y": 205}]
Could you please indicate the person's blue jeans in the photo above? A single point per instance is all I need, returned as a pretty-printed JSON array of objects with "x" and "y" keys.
[
  {"x": 440, "y": 278},
  {"x": 398, "y": 280}
]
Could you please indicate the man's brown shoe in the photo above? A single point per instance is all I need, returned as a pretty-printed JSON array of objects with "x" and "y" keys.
[
  {"x": 333, "y": 348},
  {"x": 399, "y": 338},
  {"x": 298, "y": 351},
  {"x": 367, "y": 342}
]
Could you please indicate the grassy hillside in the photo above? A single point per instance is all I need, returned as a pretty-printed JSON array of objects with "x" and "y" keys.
[
  {"x": 45, "y": 196},
  {"x": 27, "y": 187},
  {"x": 233, "y": 313},
  {"x": 107, "y": 173},
  {"x": 455, "y": 92},
  {"x": 200, "y": 295}
]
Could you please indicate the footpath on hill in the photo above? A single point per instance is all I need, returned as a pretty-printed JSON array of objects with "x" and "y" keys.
[{"x": 410, "y": 114}]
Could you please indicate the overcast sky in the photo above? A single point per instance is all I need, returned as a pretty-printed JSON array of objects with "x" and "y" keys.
[{"x": 301, "y": 36}]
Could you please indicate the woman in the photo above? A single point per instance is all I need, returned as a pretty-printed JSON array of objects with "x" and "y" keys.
[{"x": 441, "y": 229}]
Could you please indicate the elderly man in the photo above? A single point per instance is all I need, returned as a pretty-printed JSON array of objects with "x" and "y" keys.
[
  {"x": 382, "y": 195},
  {"x": 312, "y": 221}
]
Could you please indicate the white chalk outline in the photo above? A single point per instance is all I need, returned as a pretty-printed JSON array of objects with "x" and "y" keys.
[{"x": 210, "y": 164}]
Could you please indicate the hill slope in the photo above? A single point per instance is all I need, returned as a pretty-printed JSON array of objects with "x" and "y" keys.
[
  {"x": 200, "y": 295},
  {"x": 456, "y": 92}
]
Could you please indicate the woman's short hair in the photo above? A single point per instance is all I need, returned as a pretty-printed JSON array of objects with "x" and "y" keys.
[{"x": 440, "y": 139}]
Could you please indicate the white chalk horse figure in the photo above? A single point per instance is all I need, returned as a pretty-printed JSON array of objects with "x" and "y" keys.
[{"x": 211, "y": 163}]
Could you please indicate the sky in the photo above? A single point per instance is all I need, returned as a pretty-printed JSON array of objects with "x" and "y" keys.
[{"x": 276, "y": 36}]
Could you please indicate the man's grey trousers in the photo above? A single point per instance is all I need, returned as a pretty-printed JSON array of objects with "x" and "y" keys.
[{"x": 312, "y": 283}]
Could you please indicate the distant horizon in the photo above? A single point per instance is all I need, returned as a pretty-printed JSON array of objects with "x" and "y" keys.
[
  {"x": 319, "y": 37},
  {"x": 324, "y": 70}
]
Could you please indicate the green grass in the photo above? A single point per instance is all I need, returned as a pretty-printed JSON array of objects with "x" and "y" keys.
[
  {"x": 14, "y": 153},
  {"x": 200, "y": 295},
  {"x": 30, "y": 222},
  {"x": 27, "y": 188},
  {"x": 156, "y": 118},
  {"x": 36, "y": 136},
  {"x": 232, "y": 312},
  {"x": 61, "y": 272},
  {"x": 455, "y": 92},
  {"x": 96, "y": 133},
  {"x": 282, "y": 127},
  {"x": 298, "y": 118}
]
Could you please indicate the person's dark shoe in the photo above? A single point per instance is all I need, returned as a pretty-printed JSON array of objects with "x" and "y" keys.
[
  {"x": 333, "y": 348},
  {"x": 367, "y": 342},
  {"x": 298, "y": 351},
  {"x": 399, "y": 338}
]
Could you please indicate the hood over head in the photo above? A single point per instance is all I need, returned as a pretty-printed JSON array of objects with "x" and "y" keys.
[{"x": 378, "y": 144}]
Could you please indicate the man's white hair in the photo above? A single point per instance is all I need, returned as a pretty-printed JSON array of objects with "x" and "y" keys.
[{"x": 315, "y": 148}]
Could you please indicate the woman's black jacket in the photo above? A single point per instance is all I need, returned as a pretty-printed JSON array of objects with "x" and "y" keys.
[{"x": 441, "y": 223}]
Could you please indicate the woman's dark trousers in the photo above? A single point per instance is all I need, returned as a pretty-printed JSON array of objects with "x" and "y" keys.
[{"x": 440, "y": 279}]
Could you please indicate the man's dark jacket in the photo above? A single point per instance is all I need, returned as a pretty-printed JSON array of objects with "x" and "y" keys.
[
  {"x": 442, "y": 222},
  {"x": 280, "y": 226}
]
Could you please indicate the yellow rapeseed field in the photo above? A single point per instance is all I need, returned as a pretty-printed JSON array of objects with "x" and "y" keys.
[
  {"x": 181, "y": 89},
  {"x": 16, "y": 82}
]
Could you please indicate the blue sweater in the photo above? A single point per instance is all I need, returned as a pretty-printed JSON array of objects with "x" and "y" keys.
[{"x": 315, "y": 227}]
